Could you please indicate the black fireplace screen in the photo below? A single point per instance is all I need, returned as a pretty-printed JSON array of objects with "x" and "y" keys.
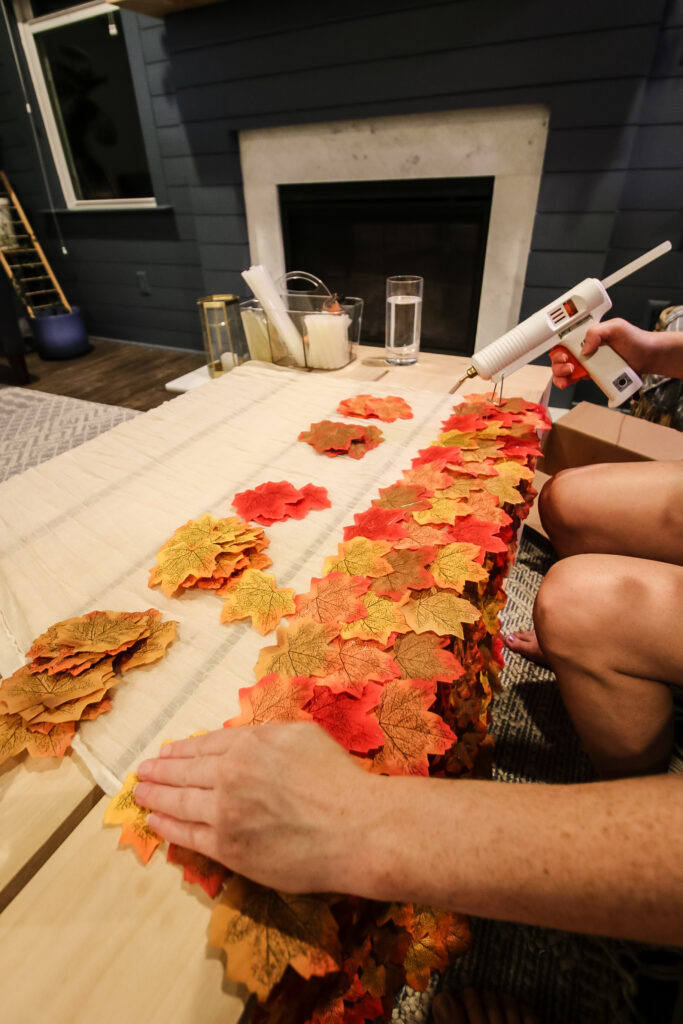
[{"x": 353, "y": 235}]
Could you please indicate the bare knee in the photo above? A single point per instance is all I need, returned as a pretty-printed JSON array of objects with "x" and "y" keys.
[
  {"x": 556, "y": 509},
  {"x": 572, "y": 602}
]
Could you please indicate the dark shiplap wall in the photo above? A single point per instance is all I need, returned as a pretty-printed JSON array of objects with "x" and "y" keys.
[{"x": 609, "y": 73}]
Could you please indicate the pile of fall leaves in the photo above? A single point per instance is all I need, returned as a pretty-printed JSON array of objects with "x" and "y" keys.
[
  {"x": 395, "y": 651},
  {"x": 72, "y": 669}
]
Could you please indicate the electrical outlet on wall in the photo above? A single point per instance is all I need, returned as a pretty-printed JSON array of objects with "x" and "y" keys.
[{"x": 143, "y": 283}]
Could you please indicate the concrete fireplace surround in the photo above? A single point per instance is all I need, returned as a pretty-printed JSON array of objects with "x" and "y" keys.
[{"x": 507, "y": 143}]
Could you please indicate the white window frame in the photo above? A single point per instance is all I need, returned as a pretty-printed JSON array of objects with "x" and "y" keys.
[{"x": 29, "y": 27}]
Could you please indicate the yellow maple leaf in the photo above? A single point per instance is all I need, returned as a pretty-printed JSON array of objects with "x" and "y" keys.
[
  {"x": 254, "y": 595},
  {"x": 504, "y": 489},
  {"x": 360, "y": 557},
  {"x": 455, "y": 564},
  {"x": 383, "y": 618},
  {"x": 442, "y": 510},
  {"x": 440, "y": 612},
  {"x": 303, "y": 649}
]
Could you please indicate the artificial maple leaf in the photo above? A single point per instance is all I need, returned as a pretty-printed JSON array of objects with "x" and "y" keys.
[
  {"x": 356, "y": 662},
  {"x": 423, "y": 536},
  {"x": 484, "y": 450},
  {"x": 476, "y": 531},
  {"x": 70, "y": 710},
  {"x": 441, "y": 613},
  {"x": 95, "y": 710},
  {"x": 423, "y": 656},
  {"x": 263, "y": 932},
  {"x": 377, "y": 524},
  {"x": 311, "y": 498},
  {"x": 372, "y": 437},
  {"x": 443, "y": 510},
  {"x": 464, "y": 422},
  {"x": 328, "y": 435},
  {"x": 387, "y": 409},
  {"x": 504, "y": 489},
  {"x": 360, "y": 557},
  {"x": 274, "y": 502},
  {"x": 198, "y": 869},
  {"x": 24, "y": 688},
  {"x": 464, "y": 440},
  {"x": 404, "y": 496},
  {"x": 428, "y": 476},
  {"x": 346, "y": 717},
  {"x": 383, "y": 617},
  {"x": 334, "y": 598},
  {"x": 98, "y": 631},
  {"x": 411, "y": 730},
  {"x": 489, "y": 612},
  {"x": 409, "y": 572},
  {"x": 254, "y": 595},
  {"x": 123, "y": 810},
  {"x": 273, "y": 699},
  {"x": 151, "y": 648},
  {"x": 438, "y": 455},
  {"x": 461, "y": 487},
  {"x": 455, "y": 565},
  {"x": 302, "y": 649},
  {"x": 186, "y": 556},
  {"x": 438, "y": 936},
  {"x": 486, "y": 507}
]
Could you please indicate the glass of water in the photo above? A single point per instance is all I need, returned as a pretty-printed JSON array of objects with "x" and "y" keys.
[{"x": 404, "y": 319}]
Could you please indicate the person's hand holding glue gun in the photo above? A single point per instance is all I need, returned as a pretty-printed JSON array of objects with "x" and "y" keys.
[{"x": 646, "y": 351}]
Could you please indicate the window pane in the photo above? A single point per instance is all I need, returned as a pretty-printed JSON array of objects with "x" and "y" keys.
[
  {"x": 88, "y": 77},
  {"x": 41, "y": 7}
]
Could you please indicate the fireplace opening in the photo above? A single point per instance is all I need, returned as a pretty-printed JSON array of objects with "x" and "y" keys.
[{"x": 353, "y": 235}]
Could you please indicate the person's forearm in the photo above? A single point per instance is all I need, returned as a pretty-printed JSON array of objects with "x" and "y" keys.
[
  {"x": 668, "y": 356},
  {"x": 604, "y": 858}
]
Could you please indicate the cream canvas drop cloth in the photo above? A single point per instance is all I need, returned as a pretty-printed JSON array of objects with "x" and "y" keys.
[{"x": 81, "y": 532}]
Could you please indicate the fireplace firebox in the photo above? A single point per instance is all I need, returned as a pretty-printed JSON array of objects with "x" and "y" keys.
[{"x": 355, "y": 234}]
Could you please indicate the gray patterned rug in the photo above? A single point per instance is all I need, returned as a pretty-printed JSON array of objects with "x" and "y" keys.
[{"x": 35, "y": 426}]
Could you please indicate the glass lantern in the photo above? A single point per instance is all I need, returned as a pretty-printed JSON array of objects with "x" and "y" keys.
[{"x": 222, "y": 331}]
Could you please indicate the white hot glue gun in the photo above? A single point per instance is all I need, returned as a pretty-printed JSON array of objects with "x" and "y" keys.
[{"x": 565, "y": 322}]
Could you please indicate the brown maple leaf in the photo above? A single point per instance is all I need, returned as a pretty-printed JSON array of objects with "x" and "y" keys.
[
  {"x": 440, "y": 612},
  {"x": 334, "y": 598},
  {"x": 423, "y": 656}
]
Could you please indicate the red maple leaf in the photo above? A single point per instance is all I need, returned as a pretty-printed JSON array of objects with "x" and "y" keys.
[
  {"x": 377, "y": 524},
  {"x": 346, "y": 717}
]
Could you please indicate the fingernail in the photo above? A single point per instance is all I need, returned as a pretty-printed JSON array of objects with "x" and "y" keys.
[
  {"x": 136, "y": 797},
  {"x": 143, "y": 769},
  {"x": 510, "y": 638}
]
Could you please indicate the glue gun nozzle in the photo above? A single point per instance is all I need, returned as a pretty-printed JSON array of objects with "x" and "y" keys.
[{"x": 471, "y": 372}]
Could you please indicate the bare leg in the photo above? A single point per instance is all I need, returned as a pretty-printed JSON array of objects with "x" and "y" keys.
[
  {"x": 621, "y": 508},
  {"x": 608, "y": 626}
]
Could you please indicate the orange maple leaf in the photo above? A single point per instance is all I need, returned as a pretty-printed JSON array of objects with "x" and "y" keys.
[
  {"x": 263, "y": 932},
  {"x": 273, "y": 699},
  {"x": 334, "y": 598},
  {"x": 411, "y": 730}
]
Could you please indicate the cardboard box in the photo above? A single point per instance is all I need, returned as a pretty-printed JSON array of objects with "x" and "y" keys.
[{"x": 592, "y": 433}]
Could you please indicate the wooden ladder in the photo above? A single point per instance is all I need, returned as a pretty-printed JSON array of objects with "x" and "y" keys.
[{"x": 23, "y": 259}]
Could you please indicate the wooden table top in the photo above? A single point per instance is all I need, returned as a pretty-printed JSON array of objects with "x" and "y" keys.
[{"x": 86, "y": 933}]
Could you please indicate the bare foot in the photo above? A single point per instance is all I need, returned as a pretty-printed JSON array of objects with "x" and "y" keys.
[
  {"x": 524, "y": 642},
  {"x": 471, "y": 1007}
]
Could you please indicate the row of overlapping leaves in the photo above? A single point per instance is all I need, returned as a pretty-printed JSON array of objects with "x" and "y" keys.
[{"x": 395, "y": 651}]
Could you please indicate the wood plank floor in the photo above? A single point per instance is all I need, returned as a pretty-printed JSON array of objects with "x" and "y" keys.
[{"x": 113, "y": 373}]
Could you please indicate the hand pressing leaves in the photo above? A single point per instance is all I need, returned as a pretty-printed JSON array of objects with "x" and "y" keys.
[
  {"x": 254, "y": 595},
  {"x": 439, "y": 612},
  {"x": 387, "y": 409},
  {"x": 273, "y": 699},
  {"x": 412, "y": 731},
  {"x": 263, "y": 932},
  {"x": 303, "y": 649}
]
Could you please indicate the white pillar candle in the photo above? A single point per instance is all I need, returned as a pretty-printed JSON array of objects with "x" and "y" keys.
[
  {"x": 328, "y": 340},
  {"x": 256, "y": 331},
  {"x": 263, "y": 287}
]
